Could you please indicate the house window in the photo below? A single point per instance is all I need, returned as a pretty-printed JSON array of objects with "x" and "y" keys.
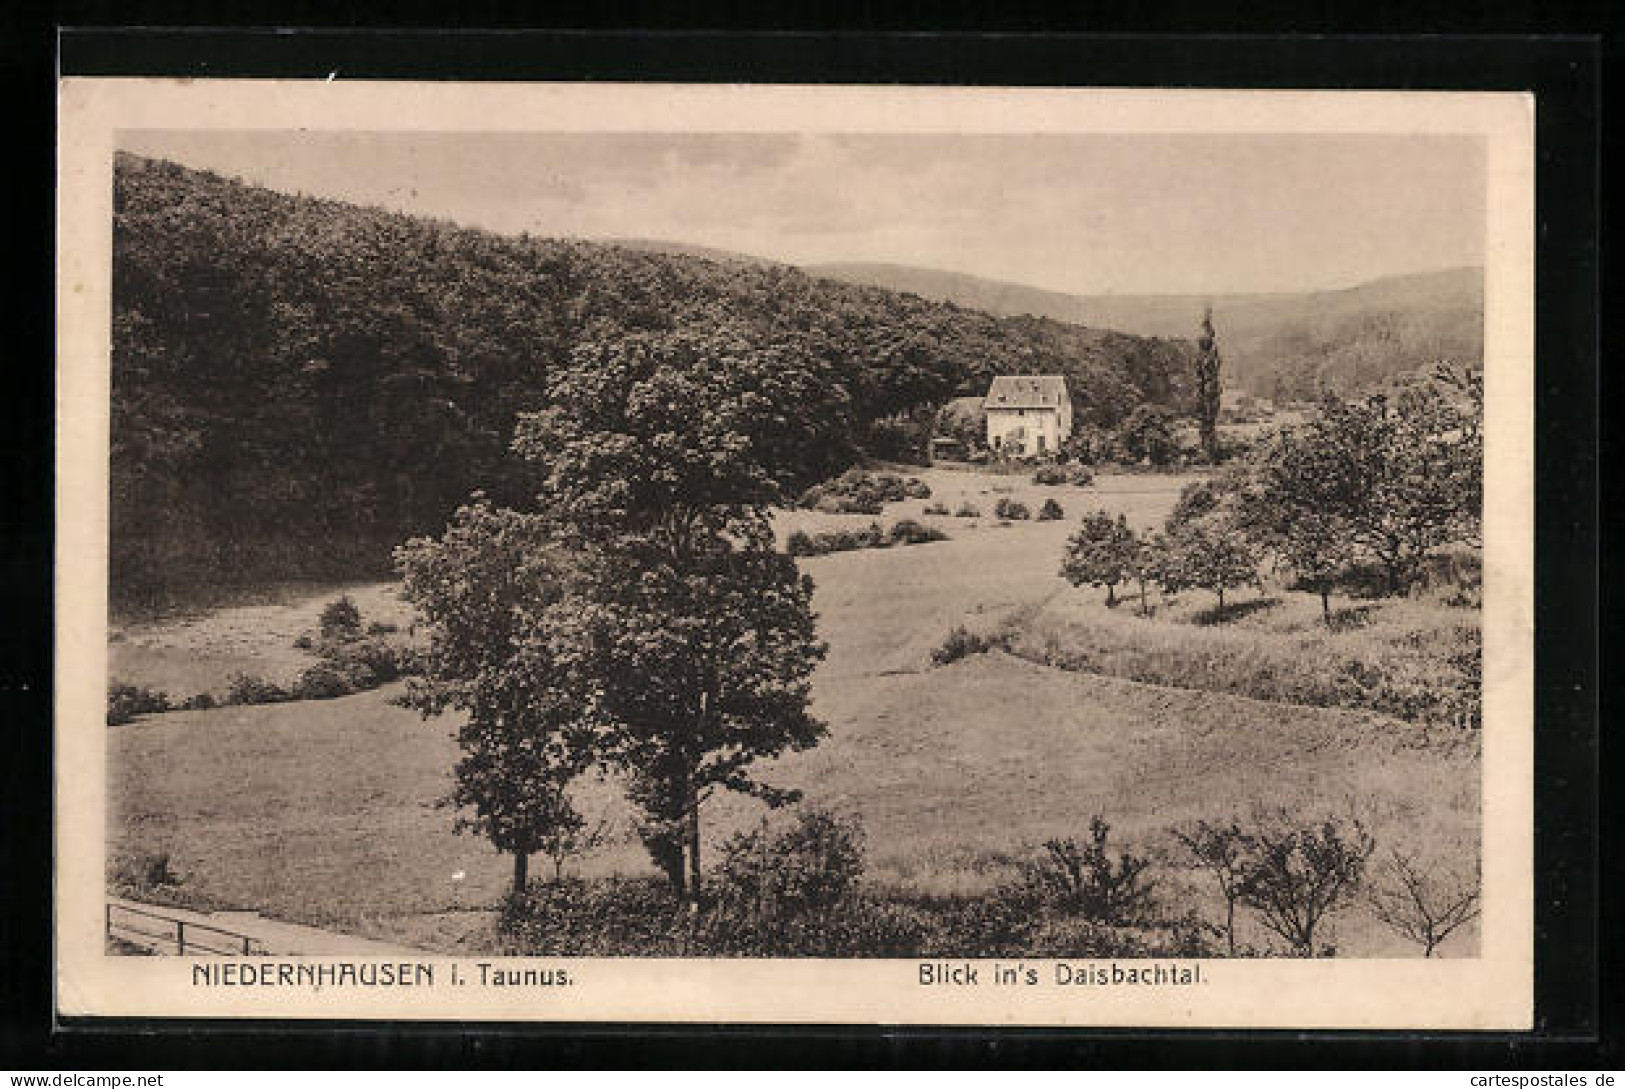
[{"x": 1021, "y": 412}]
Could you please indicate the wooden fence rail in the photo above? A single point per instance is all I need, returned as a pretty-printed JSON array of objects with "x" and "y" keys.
[{"x": 161, "y": 932}]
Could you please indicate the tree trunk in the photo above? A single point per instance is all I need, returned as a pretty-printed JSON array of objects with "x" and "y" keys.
[
  {"x": 1142, "y": 597},
  {"x": 1221, "y": 599},
  {"x": 1326, "y": 603},
  {"x": 693, "y": 851},
  {"x": 521, "y": 871},
  {"x": 1111, "y": 594},
  {"x": 670, "y": 861},
  {"x": 1230, "y": 923},
  {"x": 691, "y": 814},
  {"x": 1395, "y": 567}
]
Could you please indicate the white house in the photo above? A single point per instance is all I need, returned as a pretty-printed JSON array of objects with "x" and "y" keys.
[{"x": 1028, "y": 415}]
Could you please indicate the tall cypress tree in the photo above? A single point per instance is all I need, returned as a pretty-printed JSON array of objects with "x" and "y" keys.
[{"x": 1207, "y": 387}]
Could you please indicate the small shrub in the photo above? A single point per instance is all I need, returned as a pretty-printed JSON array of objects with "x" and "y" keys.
[
  {"x": 906, "y": 531},
  {"x": 837, "y": 504},
  {"x": 1298, "y": 876},
  {"x": 909, "y": 532},
  {"x": 1424, "y": 903},
  {"x": 203, "y": 701},
  {"x": 1069, "y": 936},
  {"x": 322, "y": 681},
  {"x": 1011, "y": 510},
  {"x": 382, "y": 627},
  {"x": 145, "y": 870},
  {"x": 936, "y": 508},
  {"x": 1049, "y": 474},
  {"x": 998, "y": 923},
  {"x": 1071, "y": 473},
  {"x": 872, "y": 928},
  {"x": 125, "y": 701},
  {"x": 572, "y": 837},
  {"x": 364, "y": 662},
  {"x": 962, "y": 643},
  {"x": 1051, "y": 511},
  {"x": 806, "y": 869},
  {"x": 968, "y": 510},
  {"x": 247, "y": 688},
  {"x": 340, "y": 619},
  {"x": 601, "y": 918},
  {"x": 858, "y": 492},
  {"x": 304, "y": 642},
  {"x": 1089, "y": 881},
  {"x": 1224, "y": 851}
]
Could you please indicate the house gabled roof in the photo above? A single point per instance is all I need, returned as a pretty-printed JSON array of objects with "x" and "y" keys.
[{"x": 1027, "y": 391}]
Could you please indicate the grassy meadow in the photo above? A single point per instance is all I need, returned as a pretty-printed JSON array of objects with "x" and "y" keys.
[{"x": 332, "y": 811}]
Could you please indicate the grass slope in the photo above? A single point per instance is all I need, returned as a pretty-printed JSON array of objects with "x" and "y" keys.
[{"x": 329, "y": 812}]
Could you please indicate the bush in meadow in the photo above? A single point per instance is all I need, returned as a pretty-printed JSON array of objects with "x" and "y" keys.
[
  {"x": 1011, "y": 510},
  {"x": 125, "y": 701}
]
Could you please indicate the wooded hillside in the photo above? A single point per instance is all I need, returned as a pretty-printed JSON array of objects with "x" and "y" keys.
[
  {"x": 1288, "y": 345},
  {"x": 298, "y": 384}
]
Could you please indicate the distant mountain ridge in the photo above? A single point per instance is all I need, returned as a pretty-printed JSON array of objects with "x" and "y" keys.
[
  {"x": 1287, "y": 344},
  {"x": 689, "y": 249},
  {"x": 1281, "y": 344}
]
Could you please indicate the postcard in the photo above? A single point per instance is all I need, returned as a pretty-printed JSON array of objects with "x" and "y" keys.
[{"x": 789, "y": 554}]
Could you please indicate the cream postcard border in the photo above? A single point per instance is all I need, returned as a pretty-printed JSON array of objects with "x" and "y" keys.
[{"x": 1492, "y": 991}]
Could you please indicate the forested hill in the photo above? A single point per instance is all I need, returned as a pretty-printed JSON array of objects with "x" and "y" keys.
[
  {"x": 1282, "y": 345},
  {"x": 299, "y": 383}
]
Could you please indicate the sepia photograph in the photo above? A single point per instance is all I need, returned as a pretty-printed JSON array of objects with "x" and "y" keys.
[{"x": 1033, "y": 557}]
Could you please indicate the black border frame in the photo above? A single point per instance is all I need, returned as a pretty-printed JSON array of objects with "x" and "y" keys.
[{"x": 1564, "y": 72}]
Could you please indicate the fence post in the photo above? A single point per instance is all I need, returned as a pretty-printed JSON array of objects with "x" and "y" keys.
[
  {"x": 246, "y": 940},
  {"x": 180, "y": 937}
]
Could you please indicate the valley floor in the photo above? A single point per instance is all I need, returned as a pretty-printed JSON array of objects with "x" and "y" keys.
[{"x": 332, "y": 812}]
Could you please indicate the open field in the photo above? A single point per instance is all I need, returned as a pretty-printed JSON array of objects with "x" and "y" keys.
[
  {"x": 198, "y": 651},
  {"x": 330, "y": 811}
]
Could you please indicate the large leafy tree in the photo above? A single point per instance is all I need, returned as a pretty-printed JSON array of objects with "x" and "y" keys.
[
  {"x": 692, "y": 634},
  {"x": 485, "y": 588},
  {"x": 1148, "y": 434},
  {"x": 1391, "y": 479},
  {"x": 1313, "y": 543},
  {"x": 698, "y": 668}
]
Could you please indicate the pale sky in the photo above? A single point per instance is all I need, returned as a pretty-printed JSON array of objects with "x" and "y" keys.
[{"x": 1080, "y": 213}]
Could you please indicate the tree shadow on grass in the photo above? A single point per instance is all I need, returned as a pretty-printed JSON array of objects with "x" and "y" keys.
[
  {"x": 1350, "y": 618},
  {"x": 1234, "y": 610}
]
